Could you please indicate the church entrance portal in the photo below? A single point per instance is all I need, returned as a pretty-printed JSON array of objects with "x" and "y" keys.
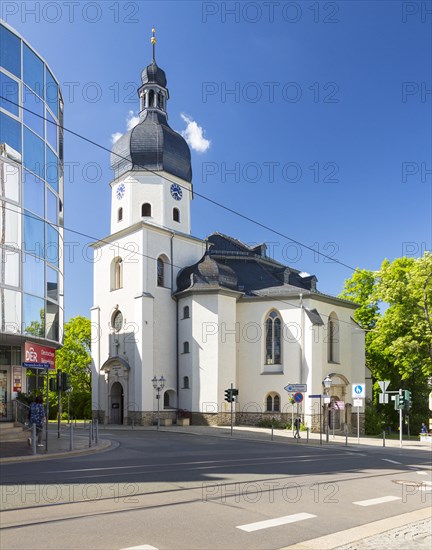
[{"x": 117, "y": 400}]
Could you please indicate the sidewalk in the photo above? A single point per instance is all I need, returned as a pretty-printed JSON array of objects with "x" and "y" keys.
[{"x": 19, "y": 451}]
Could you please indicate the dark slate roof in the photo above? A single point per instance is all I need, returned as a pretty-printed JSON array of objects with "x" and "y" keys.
[
  {"x": 207, "y": 274},
  {"x": 154, "y": 75},
  {"x": 152, "y": 145},
  {"x": 314, "y": 316},
  {"x": 250, "y": 271}
]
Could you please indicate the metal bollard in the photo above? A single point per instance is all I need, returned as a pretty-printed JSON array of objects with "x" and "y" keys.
[
  {"x": 307, "y": 435},
  {"x": 272, "y": 432},
  {"x": 71, "y": 429},
  {"x": 96, "y": 430},
  {"x": 346, "y": 436},
  {"x": 383, "y": 438},
  {"x": 327, "y": 434},
  {"x": 90, "y": 434},
  {"x": 33, "y": 438}
]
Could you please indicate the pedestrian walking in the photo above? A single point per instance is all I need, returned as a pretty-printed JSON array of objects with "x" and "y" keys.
[
  {"x": 297, "y": 424},
  {"x": 37, "y": 416},
  {"x": 423, "y": 429}
]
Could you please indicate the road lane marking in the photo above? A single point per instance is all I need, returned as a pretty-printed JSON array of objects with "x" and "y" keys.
[
  {"x": 249, "y": 527},
  {"x": 421, "y": 473},
  {"x": 142, "y": 547},
  {"x": 373, "y": 501},
  {"x": 392, "y": 461}
]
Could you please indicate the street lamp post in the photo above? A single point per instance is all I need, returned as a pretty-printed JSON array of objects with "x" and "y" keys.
[
  {"x": 327, "y": 383},
  {"x": 158, "y": 385}
]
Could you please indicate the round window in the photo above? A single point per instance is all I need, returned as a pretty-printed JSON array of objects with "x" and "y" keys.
[{"x": 117, "y": 321}]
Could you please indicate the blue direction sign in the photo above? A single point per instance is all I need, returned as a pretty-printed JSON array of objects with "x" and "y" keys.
[
  {"x": 298, "y": 397},
  {"x": 296, "y": 387},
  {"x": 36, "y": 365}
]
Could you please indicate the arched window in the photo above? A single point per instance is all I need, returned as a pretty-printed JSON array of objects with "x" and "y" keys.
[
  {"x": 185, "y": 347},
  {"x": 160, "y": 272},
  {"x": 273, "y": 339},
  {"x": 120, "y": 214},
  {"x": 273, "y": 402},
  {"x": 186, "y": 312},
  {"x": 185, "y": 382},
  {"x": 176, "y": 214},
  {"x": 146, "y": 210},
  {"x": 116, "y": 273},
  {"x": 166, "y": 400},
  {"x": 151, "y": 98},
  {"x": 333, "y": 339}
]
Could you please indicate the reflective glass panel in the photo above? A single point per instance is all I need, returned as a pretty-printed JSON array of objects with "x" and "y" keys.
[
  {"x": 10, "y": 51},
  {"x": 10, "y": 274},
  {"x": 52, "y": 321},
  {"x": 9, "y": 90},
  {"x": 10, "y": 222},
  {"x": 52, "y": 209},
  {"x": 10, "y": 303},
  {"x": 51, "y": 172},
  {"x": 33, "y": 153},
  {"x": 51, "y": 131},
  {"x": 35, "y": 105},
  {"x": 12, "y": 181},
  {"x": 51, "y": 93},
  {"x": 33, "y": 234},
  {"x": 34, "y": 275},
  {"x": 34, "y": 194},
  {"x": 10, "y": 132},
  {"x": 52, "y": 245},
  {"x": 33, "y": 315},
  {"x": 33, "y": 70},
  {"x": 51, "y": 283}
]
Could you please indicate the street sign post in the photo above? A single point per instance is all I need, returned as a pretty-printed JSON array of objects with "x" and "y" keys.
[{"x": 359, "y": 390}]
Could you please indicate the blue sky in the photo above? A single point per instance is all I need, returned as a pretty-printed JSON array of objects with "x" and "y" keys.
[{"x": 326, "y": 137}]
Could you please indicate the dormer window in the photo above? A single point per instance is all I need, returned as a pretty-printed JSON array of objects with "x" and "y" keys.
[{"x": 146, "y": 210}]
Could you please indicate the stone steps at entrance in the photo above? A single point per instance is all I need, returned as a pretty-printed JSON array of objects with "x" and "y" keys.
[{"x": 9, "y": 431}]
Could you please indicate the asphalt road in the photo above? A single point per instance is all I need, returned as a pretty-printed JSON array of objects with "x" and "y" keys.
[{"x": 169, "y": 490}]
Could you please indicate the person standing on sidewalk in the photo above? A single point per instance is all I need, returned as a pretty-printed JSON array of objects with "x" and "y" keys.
[
  {"x": 37, "y": 416},
  {"x": 297, "y": 424}
]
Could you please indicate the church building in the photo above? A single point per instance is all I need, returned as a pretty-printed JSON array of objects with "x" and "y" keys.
[{"x": 177, "y": 320}]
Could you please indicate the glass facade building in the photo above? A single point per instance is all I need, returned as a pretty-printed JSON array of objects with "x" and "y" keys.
[{"x": 31, "y": 208}]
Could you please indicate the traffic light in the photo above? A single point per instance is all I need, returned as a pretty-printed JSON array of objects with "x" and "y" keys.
[
  {"x": 65, "y": 385},
  {"x": 401, "y": 399},
  {"x": 407, "y": 400},
  {"x": 53, "y": 384},
  {"x": 234, "y": 392},
  {"x": 228, "y": 395}
]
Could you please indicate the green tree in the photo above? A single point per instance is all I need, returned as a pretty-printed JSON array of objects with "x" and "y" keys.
[
  {"x": 399, "y": 337},
  {"x": 74, "y": 358}
]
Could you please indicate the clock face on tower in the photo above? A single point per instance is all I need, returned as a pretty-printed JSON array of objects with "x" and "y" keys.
[
  {"x": 120, "y": 191},
  {"x": 176, "y": 191}
]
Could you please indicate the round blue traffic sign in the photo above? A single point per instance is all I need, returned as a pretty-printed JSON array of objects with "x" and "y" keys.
[
  {"x": 358, "y": 389},
  {"x": 298, "y": 397}
]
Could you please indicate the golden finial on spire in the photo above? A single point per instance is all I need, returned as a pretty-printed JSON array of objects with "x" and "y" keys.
[{"x": 153, "y": 42}]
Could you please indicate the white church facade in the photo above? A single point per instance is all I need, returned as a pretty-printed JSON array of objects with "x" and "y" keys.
[{"x": 203, "y": 314}]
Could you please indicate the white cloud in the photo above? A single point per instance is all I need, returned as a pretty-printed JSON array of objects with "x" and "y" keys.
[
  {"x": 131, "y": 121},
  {"x": 194, "y": 135},
  {"x": 115, "y": 137}
]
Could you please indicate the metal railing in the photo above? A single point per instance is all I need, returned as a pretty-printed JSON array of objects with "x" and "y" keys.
[{"x": 20, "y": 412}]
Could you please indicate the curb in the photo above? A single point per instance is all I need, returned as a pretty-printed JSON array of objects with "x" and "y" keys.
[
  {"x": 355, "y": 534},
  {"x": 102, "y": 446}
]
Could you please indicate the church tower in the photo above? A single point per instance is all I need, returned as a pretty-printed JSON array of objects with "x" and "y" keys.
[
  {"x": 152, "y": 163},
  {"x": 135, "y": 313}
]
